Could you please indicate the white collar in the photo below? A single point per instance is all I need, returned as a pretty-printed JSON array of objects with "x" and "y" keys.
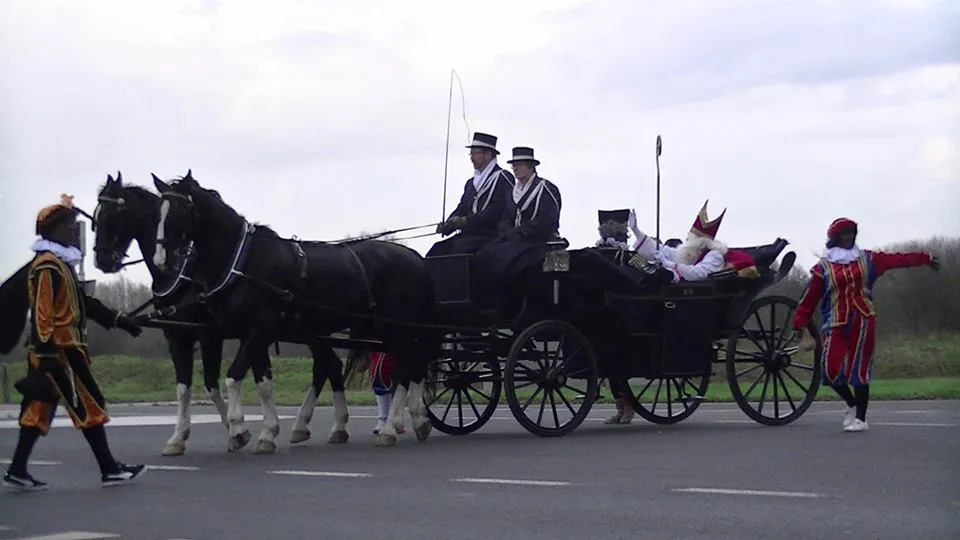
[
  {"x": 520, "y": 190},
  {"x": 480, "y": 176},
  {"x": 69, "y": 255},
  {"x": 843, "y": 255}
]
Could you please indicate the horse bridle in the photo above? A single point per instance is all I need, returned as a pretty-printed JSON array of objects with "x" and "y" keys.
[{"x": 112, "y": 250}]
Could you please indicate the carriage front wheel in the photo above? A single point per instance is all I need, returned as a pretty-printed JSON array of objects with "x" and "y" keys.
[
  {"x": 771, "y": 377},
  {"x": 465, "y": 391},
  {"x": 553, "y": 364}
]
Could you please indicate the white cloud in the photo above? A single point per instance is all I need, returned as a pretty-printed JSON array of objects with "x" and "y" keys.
[{"x": 787, "y": 113}]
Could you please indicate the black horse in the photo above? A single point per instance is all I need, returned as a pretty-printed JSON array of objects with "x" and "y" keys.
[
  {"x": 266, "y": 288},
  {"x": 126, "y": 213}
]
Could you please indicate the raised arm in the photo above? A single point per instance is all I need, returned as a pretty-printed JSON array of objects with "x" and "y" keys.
[
  {"x": 811, "y": 297},
  {"x": 884, "y": 262}
]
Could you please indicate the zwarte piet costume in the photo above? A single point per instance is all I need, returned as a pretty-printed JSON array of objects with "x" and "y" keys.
[
  {"x": 58, "y": 365},
  {"x": 841, "y": 292}
]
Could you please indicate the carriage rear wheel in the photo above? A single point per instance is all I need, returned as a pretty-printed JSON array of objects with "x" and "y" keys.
[
  {"x": 551, "y": 361},
  {"x": 665, "y": 400},
  {"x": 781, "y": 379},
  {"x": 465, "y": 391}
]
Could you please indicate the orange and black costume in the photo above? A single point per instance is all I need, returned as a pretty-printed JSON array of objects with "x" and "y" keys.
[{"x": 58, "y": 364}]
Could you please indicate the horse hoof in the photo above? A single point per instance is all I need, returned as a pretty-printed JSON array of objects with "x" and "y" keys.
[
  {"x": 386, "y": 440},
  {"x": 338, "y": 437},
  {"x": 265, "y": 447},
  {"x": 174, "y": 449},
  {"x": 300, "y": 435},
  {"x": 238, "y": 441},
  {"x": 423, "y": 431}
]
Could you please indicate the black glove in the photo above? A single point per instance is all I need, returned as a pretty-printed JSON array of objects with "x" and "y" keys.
[{"x": 128, "y": 325}]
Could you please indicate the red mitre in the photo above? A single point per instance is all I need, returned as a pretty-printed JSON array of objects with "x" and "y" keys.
[
  {"x": 703, "y": 226},
  {"x": 839, "y": 225}
]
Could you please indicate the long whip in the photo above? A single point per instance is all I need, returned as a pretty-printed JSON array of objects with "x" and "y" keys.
[{"x": 659, "y": 149}]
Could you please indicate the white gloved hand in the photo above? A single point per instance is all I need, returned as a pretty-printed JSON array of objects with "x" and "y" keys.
[{"x": 632, "y": 222}]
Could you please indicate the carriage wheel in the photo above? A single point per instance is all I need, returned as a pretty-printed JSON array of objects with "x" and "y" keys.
[
  {"x": 551, "y": 361},
  {"x": 666, "y": 400},
  {"x": 458, "y": 402},
  {"x": 781, "y": 379}
]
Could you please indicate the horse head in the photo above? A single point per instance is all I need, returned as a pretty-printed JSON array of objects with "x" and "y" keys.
[{"x": 123, "y": 214}]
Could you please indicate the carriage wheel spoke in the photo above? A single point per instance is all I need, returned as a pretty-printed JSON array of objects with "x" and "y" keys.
[
  {"x": 553, "y": 407},
  {"x": 566, "y": 402},
  {"x": 556, "y": 353},
  {"x": 481, "y": 392},
  {"x": 748, "y": 355},
  {"x": 460, "y": 408},
  {"x": 755, "y": 382},
  {"x": 680, "y": 393},
  {"x": 763, "y": 392},
  {"x": 786, "y": 393},
  {"x": 776, "y": 399},
  {"x": 785, "y": 336},
  {"x": 801, "y": 366},
  {"x": 656, "y": 396},
  {"x": 577, "y": 390},
  {"x": 757, "y": 343},
  {"x": 806, "y": 390},
  {"x": 748, "y": 370},
  {"x": 543, "y": 407},
  {"x": 437, "y": 397},
  {"x": 531, "y": 398},
  {"x": 763, "y": 331},
  {"x": 669, "y": 401},
  {"x": 566, "y": 359},
  {"x": 472, "y": 404}
]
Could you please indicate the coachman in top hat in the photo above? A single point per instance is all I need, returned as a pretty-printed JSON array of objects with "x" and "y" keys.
[
  {"x": 58, "y": 367},
  {"x": 481, "y": 205},
  {"x": 841, "y": 290}
]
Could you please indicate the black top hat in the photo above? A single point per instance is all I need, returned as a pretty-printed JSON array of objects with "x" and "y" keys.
[
  {"x": 523, "y": 153},
  {"x": 483, "y": 140},
  {"x": 617, "y": 216}
]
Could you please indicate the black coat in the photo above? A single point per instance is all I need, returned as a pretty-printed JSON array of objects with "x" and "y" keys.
[
  {"x": 525, "y": 228},
  {"x": 482, "y": 210}
]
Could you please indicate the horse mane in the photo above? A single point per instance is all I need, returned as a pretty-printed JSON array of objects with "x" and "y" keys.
[{"x": 229, "y": 211}]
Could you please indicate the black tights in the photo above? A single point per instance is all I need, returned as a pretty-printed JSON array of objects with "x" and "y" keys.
[
  {"x": 858, "y": 398},
  {"x": 96, "y": 438}
]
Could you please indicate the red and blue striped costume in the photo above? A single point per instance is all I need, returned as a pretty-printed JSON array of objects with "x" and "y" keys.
[
  {"x": 381, "y": 373},
  {"x": 843, "y": 295}
]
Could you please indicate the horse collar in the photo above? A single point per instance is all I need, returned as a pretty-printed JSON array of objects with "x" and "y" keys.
[{"x": 239, "y": 261}]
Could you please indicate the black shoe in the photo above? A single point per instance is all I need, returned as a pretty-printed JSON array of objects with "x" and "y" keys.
[
  {"x": 23, "y": 482},
  {"x": 124, "y": 474}
]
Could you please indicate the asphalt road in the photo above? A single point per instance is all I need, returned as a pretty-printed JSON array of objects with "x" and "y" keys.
[{"x": 717, "y": 475}]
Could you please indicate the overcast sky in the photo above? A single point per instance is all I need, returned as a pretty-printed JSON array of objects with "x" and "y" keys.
[{"x": 326, "y": 117}]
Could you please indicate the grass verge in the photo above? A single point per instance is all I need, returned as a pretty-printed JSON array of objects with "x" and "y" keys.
[{"x": 128, "y": 379}]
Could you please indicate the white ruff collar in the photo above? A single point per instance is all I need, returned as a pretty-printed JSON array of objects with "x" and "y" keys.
[
  {"x": 69, "y": 255},
  {"x": 841, "y": 255},
  {"x": 480, "y": 176}
]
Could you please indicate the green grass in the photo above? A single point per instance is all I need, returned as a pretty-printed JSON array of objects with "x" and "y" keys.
[{"x": 905, "y": 368}]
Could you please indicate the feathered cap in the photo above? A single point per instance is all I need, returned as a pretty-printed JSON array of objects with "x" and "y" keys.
[
  {"x": 703, "y": 226},
  {"x": 613, "y": 224},
  {"x": 51, "y": 216}
]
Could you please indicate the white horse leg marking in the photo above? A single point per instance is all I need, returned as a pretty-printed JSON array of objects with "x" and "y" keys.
[
  {"x": 388, "y": 435},
  {"x": 301, "y": 428},
  {"x": 217, "y": 398},
  {"x": 160, "y": 253},
  {"x": 338, "y": 433},
  {"x": 237, "y": 432},
  {"x": 418, "y": 412},
  {"x": 266, "y": 443},
  {"x": 177, "y": 443}
]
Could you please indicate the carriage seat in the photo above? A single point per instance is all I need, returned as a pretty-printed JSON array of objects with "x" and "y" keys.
[{"x": 764, "y": 256}]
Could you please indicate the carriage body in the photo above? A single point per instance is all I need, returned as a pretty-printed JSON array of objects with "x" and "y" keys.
[{"x": 634, "y": 327}]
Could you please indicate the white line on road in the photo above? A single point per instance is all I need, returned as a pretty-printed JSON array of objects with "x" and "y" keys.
[
  {"x": 72, "y": 535},
  {"x": 34, "y": 462},
  {"x": 321, "y": 473},
  {"x": 173, "y": 468},
  {"x": 510, "y": 482},
  {"x": 913, "y": 424},
  {"x": 146, "y": 420},
  {"x": 4, "y": 528},
  {"x": 719, "y": 491}
]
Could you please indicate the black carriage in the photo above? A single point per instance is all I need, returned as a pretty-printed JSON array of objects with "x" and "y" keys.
[{"x": 588, "y": 314}]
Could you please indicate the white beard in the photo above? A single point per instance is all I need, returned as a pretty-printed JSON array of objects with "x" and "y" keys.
[{"x": 694, "y": 246}]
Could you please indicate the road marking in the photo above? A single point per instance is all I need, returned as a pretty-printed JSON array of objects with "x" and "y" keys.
[
  {"x": 911, "y": 412},
  {"x": 146, "y": 420},
  {"x": 914, "y": 424},
  {"x": 321, "y": 473},
  {"x": 732, "y": 422},
  {"x": 173, "y": 467},
  {"x": 510, "y": 482},
  {"x": 719, "y": 491},
  {"x": 72, "y": 535},
  {"x": 5, "y": 528},
  {"x": 33, "y": 462}
]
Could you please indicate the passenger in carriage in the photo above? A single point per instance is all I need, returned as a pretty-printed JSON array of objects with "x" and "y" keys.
[
  {"x": 481, "y": 205},
  {"x": 699, "y": 256},
  {"x": 530, "y": 219}
]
